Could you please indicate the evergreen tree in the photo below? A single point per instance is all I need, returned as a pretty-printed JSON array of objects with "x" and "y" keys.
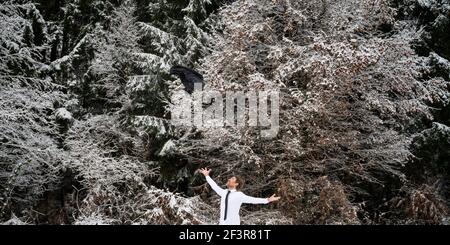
[
  {"x": 30, "y": 159},
  {"x": 169, "y": 35}
]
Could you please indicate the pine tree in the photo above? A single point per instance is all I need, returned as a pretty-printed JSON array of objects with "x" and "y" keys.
[
  {"x": 30, "y": 159},
  {"x": 197, "y": 9},
  {"x": 169, "y": 35},
  {"x": 115, "y": 50}
]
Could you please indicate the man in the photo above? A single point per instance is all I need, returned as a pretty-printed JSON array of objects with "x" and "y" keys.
[{"x": 231, "y": 199}]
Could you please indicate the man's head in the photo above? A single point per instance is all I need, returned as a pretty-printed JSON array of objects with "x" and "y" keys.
[{"x": 235, "y": 182}]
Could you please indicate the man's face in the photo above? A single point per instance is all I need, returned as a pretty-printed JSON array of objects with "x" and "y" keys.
[{"x": 231, "y": 183}]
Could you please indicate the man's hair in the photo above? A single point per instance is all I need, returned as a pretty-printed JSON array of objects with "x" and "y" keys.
[{"x": 240, "y": 181}]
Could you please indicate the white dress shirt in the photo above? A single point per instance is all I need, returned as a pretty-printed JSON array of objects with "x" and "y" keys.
[{"x": 235, "y": 199}]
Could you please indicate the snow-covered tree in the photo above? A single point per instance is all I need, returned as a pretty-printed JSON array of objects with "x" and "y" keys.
[
  {"x": 85, "y": 136},
  {"x": 29, "y": 152},
  {"x": 348, "y": 112}
]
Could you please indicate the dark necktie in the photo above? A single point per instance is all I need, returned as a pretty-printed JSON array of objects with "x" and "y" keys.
[{"x": 226, "y": 205}]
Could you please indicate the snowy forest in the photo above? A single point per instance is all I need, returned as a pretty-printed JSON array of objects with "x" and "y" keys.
[{"x": 86, "y": 136}]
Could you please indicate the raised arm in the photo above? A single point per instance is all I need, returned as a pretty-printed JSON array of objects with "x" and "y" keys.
[
  {"x": 256, "y": 200},
  {"x": 211, "y": 182},
  {"x": 214, "y": 186}
]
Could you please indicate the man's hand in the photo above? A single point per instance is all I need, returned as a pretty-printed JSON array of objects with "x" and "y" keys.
[
  {"x": 273, "y": 198},
  {"x": 205, "y": 171}
]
